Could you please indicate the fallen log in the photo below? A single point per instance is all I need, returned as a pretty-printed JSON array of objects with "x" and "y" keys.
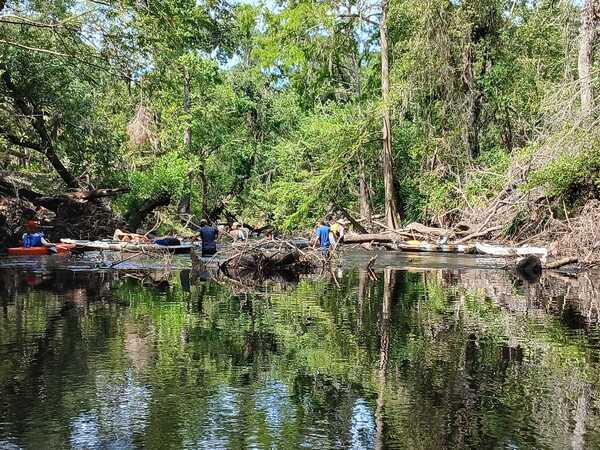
[
  {"x": 357, "y": 226},
  {"x": 561, "y": 262},
  {"x": 496, "y": 250},
  {"x": 54, "y": 202},
  {"x": 135, "y": 216},
  {"x": 424, "y": 229},
  {"x": 478, "y": 234},
  {"x": 394, "y": 241},
  {"x": 371, "y": 237}
]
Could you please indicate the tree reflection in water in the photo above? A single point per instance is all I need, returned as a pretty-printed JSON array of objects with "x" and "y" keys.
[{"x": 432, "y": 359}]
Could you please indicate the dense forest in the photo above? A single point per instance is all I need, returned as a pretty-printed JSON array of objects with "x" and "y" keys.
[{"x": 478, "y": 111}]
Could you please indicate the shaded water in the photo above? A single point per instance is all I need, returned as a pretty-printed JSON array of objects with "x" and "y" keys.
[{"x": 431, "y": 359}]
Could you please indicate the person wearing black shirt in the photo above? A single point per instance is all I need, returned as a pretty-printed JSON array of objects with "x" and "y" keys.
[{"x": 209, "y": 235}]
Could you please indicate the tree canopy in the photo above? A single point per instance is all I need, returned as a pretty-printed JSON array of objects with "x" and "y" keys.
[{"x": 273, "y": 112}]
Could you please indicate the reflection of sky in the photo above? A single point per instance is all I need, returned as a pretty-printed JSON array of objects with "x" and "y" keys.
[
  {"x": 222, "y": 414},
  {"x": 363, "y": 425},
  {"x": 121, "y": 412},
  {"x": 85, "y": 432},
  {"x": 7, "y": 445},
  {"x": 273, "y": 401}
]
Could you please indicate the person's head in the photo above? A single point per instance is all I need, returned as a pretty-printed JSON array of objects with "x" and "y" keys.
[
  {"x": 323, "y": 222},
  {"x": 203, "y": 222},
  {"x": 31, "y": 226},
  {"x": 235, "y": 226}
]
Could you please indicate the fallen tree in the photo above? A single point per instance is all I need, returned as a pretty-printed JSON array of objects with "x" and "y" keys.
[
  {"x": 266, "y": 257},
  {"x": 136, "y": 215},
  {"x": 78, "y": 214}
]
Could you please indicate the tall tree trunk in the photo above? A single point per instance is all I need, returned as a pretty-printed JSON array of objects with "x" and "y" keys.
[
  {"x": 187, "y": 133},
  {"x": 365, "y": 208},
  {"x": 185, "y": 202},
  {"x": 589, "y": 32},
  {"x": 391, "y": 212},
  {"x": 474, "y": 103},
  {"x": 363, "y": 187},
  {"x": 186, "y": 198},
  {"x": 204, "y": 183},
  {"x": 60, "y": 168}
]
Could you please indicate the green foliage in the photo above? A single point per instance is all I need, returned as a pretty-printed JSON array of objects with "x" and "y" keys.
[
  {"x": 567, "y": 172},
  {"x": 284, "y": 102},
  {"x": 168, "y": 175}
]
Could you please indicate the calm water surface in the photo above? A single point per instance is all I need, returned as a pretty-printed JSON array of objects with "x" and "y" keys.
[{"x": 430, "y": 359}]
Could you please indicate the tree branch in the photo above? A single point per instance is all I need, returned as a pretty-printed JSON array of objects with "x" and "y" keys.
[
  {"x": 36, "y": 119},
  {"x": 33, "y": 49},
  {"x": 14, "y": 140}
]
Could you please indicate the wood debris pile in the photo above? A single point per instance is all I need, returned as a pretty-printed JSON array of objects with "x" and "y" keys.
[{"x": 267, "y": 257}]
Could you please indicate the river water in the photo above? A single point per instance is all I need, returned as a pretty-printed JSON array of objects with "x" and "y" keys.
[{"x": 426, "y": 358}]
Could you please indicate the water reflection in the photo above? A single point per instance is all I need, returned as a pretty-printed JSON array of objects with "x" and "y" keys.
[{"x": 428, "y": 359}]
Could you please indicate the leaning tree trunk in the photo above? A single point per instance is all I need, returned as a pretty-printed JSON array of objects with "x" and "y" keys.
[
  {"x": 589, "y": 32},
  {"x": 365, "y": 208},
  {"x": 34, "y": 114},
  {"x": 391, "y": 212},
  {"x": 136, "y": 216}
]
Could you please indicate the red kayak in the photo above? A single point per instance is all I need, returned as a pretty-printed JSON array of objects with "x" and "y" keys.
[{"x": 36, "y": 251}]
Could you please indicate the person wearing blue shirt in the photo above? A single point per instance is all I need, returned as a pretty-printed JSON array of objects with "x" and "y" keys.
[
  {"x": 322, "y": 236},
  {"x": 32, "y": 237}
]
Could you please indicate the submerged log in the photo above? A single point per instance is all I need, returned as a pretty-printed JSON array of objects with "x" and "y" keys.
[
  {"x": 529, "y": 268},
  {"x": 371, "y": 237},
  {"x": 269, "y": 256}
]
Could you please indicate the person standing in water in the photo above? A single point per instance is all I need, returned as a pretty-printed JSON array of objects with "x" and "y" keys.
[
  {"x": 209, "y": 235},
  {"x": 322, "y": 237}
]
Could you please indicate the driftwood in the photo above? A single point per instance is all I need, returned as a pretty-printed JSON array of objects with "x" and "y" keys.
[
  {"x": 424, "y": 229},
  {"x": 561, "y": 262},
  {"x": 372, "y": 237},
  {"x": 266, "y": 257},
  {"x": 477, "y": 234},
  {"x": 496, "y": 250}
]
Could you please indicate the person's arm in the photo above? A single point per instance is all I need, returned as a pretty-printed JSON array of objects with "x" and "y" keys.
[{"x": 45, "y": 243}]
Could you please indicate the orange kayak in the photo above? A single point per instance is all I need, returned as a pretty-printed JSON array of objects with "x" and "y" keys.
[{"x": 36, "y": 251}]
